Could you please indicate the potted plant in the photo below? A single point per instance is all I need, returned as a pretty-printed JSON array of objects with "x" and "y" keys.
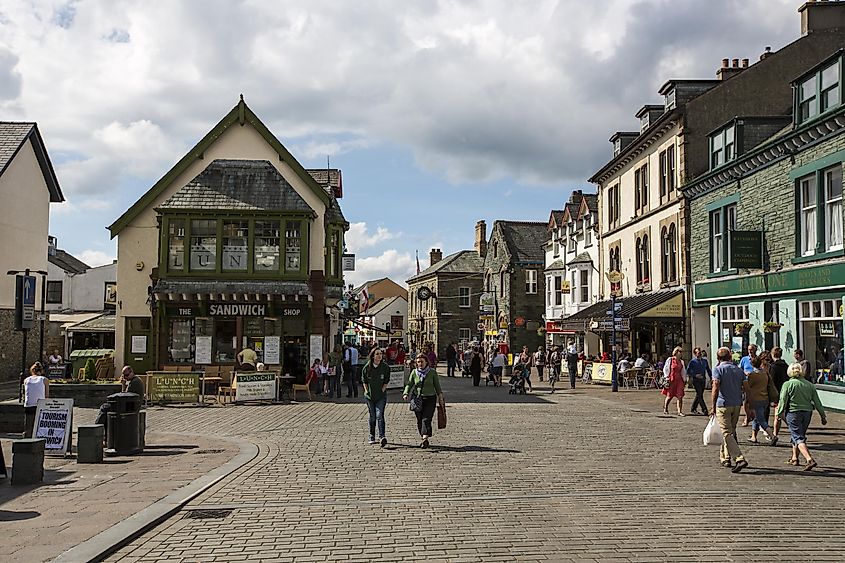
[
  {"x": 90, "y": 369},
  {"x": 742, "y": 328},
  {"x": 541, "y": 331},
  {"x": 772, "y": 326}
]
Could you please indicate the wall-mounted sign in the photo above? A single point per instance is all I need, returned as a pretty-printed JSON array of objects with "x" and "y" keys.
[
  {"x": 670, "y": 308},
  {"x": 565, "y": 287},
  {"x": 139, "y": 344},
  {"x": 827, "y": 329},
  {"x": 746, "y": 248},
  {"x": 238, "y": 310},
  {"x": 271, "y": 349},
  {"x": 203, "y": 350},
  {"x": 182, "y": 311},
  {"x": 110, "y": 294},
  {"x": 348, "y": 262},
  {"x": 53, "y": 423}
]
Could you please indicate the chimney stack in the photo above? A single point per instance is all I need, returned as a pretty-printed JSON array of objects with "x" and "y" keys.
[
  {"x": 731, "y": 67},
  {"x": 481, "y": 238},
  {"x": 821, "y": 15},
  {"x": 435, "y": 256},
  {"x": 767, "y": 53}
]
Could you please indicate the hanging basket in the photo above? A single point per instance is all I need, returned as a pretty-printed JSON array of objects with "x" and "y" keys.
[
  {"x": 541, "y": 331},
  {"x": 772, "y": 327},
  {"x": 742, "y": 328}
]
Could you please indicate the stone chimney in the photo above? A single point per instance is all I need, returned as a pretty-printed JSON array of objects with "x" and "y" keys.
[
  {"x": 731, "y": 68},
  {"x": 820, "y": 15},
  {"x": 435, "y": 256},
  {"x": 481, "y": 238}
]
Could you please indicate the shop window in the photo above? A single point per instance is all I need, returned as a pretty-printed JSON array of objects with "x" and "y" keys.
[
  {"x": 176, "y": 245},
  {"x": 821, "y": 333},
  {"x": 463, "y": 296},
  {"x": 180, "y": 345},
  {"x": 266, "y": 246},
  {"x": 225, "y": 340},
  {"x": 531, "y": 281},
  {"x": 820, "y": 211},
  {"x": 203, "y": 245},
  {"x": 293, "y": 245},
  {"x": 729, "y": 316},
  {"x": 235, "y": 245},
  {"x": 54, "y": 292}
]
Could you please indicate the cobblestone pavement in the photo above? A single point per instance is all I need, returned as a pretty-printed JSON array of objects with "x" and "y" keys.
[{"x": 575, "y": 476}]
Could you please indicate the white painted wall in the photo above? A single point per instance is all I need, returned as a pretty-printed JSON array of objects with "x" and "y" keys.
[
  {"x": 82, "y": 292},
  {"x": 24, "y": 221}
]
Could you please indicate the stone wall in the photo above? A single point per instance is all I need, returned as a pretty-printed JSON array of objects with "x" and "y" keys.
[
  {"x": 11, "y": 343},
  {"x": 452, "y": 317}
]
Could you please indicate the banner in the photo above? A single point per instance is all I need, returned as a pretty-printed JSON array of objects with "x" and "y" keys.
[{"x": 54, "y": 423}]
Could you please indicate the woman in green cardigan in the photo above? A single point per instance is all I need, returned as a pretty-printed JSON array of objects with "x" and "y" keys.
[{"x": 424, "y": 382}]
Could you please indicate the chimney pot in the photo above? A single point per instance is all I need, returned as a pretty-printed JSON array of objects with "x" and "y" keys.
[
  {"x": 725, "y": 63},
  {"x": 735, "y": 63},
  {"x": 744, "y": 63}
]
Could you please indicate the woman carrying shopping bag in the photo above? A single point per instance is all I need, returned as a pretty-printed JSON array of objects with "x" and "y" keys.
[{"x": 424, "y": 392}]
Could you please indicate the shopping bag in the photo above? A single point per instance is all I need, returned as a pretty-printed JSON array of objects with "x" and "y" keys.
[
  {"x": 713, "y": 433},
  {"x": 441, "y": 416}
]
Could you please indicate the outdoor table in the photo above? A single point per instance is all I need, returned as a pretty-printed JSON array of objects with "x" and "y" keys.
[
  {"x": 216, "y": 381},
  {"x": 286, "y": 386}
]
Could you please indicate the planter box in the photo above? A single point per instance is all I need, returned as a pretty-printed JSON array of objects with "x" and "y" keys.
[{"x": 85, "y": 395}]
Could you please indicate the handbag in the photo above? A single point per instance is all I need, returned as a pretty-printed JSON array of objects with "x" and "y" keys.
[
  {"x": 416, "y": 401},
  {"x": 441, "y": 416}
]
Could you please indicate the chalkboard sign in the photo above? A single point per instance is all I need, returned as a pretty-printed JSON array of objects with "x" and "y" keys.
[{"x": 588, "y": 371}]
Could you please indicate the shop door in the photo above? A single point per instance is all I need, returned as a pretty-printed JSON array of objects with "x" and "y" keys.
[
  {"x": 138, "y": 344},
  {"x": 295, "y": 361}
]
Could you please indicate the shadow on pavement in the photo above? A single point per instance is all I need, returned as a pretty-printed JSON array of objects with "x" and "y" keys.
[
  {"x": 160, "y": 453},
  {"x": 171, "y": 447},
  {"x": 819, "y": 471},
  {"x": 13, "y": 515},
  {"x": 459, "y": 449}
]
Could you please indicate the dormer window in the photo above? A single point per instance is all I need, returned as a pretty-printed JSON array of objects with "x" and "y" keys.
[
  {"x": 722, "y": 146},
  {"x": 819, "y": 92},
  {"x": 617, "y": 147},
  {"x": 644, "y": 122},
  {"x": 669, "y": 100}
]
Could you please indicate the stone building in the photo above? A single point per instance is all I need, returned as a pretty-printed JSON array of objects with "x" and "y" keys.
[
  {"x": 770, "y": 266},
  {"x": 450, "y": 314},
  {"x": 237, "y": 245},
  {"x": 513, "y": 276},
  {"x": 29, "y": 185}
]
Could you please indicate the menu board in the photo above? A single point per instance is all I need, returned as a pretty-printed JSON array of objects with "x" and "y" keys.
[
  {"x": 259, "y": 386},
  {"x": 203, "y": 351},
  {"x": 170, "y": 387},
  {"x": 272, "y": 350}
]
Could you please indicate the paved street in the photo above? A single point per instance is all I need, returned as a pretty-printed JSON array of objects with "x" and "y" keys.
[{"x": 581, "y": 476}]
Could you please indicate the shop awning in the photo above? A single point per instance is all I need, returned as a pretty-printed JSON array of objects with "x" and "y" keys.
[
  {"x": 100, "y": 323},
  {"x": 69, "y": 319},
  {"x": 259, "y": 290},
  {"x": 657, "y": 304}
]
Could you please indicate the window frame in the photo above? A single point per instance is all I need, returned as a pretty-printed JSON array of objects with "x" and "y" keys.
[
  {"x": 817, "y": 99},
  {"x": 727, "y": 217},
  {"x": 726, "y": 150},
  {"x": 531, "y": 283},
  {"x": 818, "y": 180},
  {"x": 50, "y": 290},
  {"x": 464, "y": 297}
]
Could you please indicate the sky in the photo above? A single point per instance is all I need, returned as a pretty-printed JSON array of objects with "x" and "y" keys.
[{"x": 439, "y": 113}]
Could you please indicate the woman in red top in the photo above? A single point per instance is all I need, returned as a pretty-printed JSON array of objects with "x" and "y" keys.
[{"x": 676, "y": 372}]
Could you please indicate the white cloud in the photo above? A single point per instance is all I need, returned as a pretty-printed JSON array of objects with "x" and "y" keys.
[
  {"x": 95, "y": 257},
  {"x": 359, "y": 237},
  {"x": 390, "y": 263}
]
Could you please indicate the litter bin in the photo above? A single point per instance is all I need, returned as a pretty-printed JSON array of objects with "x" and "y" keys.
[{"x": 122, "y": 434}]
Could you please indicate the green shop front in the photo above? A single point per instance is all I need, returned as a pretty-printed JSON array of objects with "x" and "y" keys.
[{"x": 800, "y": 308}]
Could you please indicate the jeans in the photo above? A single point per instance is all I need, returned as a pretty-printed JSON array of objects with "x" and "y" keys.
[
  {"x": 540, "y": 372},
  {"x": 760, "y": 416},
  {"x": 727, "y": 417},
  {"x": 698, "y": 385},
  {"x": 526, "y": 374},
  {"x": 352, "y": 381},
  {"x": 450, "y": 368},
  {"x": 429, "y": 405},
  {"x": 376, "y": 409},
  {"x": 573, "y": 371},
  {"x": 334, "y": 386},
  {"x": 798, "y": 422}
]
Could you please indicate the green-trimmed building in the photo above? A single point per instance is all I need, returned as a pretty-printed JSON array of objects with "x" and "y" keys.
[
  {"x": 766, "y": 245},
  {"x": 237, "y": 245}
]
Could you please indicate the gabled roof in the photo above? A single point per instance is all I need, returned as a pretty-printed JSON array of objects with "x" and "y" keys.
[
  {"x": 589, "y": 204},
  {"x": 13, "y": 136},
  {"x": 383, "y": 304},
  {"x": 556, "y": 265},
  {"x": 525, "y": 239},
  {"x": 555, "y": 219},
  {"x": 367, "y": 284},
  {"x": 238, "y": 184},
  {"x": 583, "y": 258},
  {"x": 239, "y": 115},
  {"x": 330, "y": 179},
  {"x": 461, "y": 262},
  {"x": 67, "y": 262}
]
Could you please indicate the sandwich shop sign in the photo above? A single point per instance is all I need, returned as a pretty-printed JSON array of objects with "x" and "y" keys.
[{"x": 237, "y": 309}]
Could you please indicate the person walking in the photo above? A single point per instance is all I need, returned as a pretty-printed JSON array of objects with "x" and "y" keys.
[
  {"x": 798, "y": 398},
  {"x": 497, "y": 367},
  {"x": 729, "y": 384},
  {"x": 540, "y": 361},
  {"x": 475, "y": 367},
  {"x": 675, "y": 371},
  {"x": 35, "y": 387},
  {"x": 451, "y": 359},
  {"x": 375, "y": 377},
  {"x": 699, "y": 371},
  {"x": 571, "y": 362},
  {"x": 431, "y": 356},
  {"x": 335, "y": 367},
  {"x": 350, "y": 361},
  {"x": 525, "y": 361},
  {"x": 806, "y": 368},
  {"x": 425, "y": 384},
  {"x": 778, "y": 372},
  {"x": 758, "y": 398},
  {"x": 314, "y": 376}
]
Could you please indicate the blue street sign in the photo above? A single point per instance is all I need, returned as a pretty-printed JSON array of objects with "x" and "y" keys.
[
  {"x": 29, "y": 290},
  {"x": 24, "y": 302}
]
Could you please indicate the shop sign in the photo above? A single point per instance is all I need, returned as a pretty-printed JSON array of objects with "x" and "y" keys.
[
  {"x": 53, "y": 423},
  {"x": 565, "y": 287},
  {"x": 602, "y": 372},
  {"x": 606, "y": 325},
  {"x": 671, "y": 308},
  {"x": 174, "y": 388},
  {"x": 486, "y": 302},
  {"x": 480, "y": 326},
  {"x": 817, "y": 277},
  {"x": 348, "y": 262},
  {"x": 746, "y": 249},
  {"x": 182, "y": 311},
  {"x": 255, "y": 386},
  {"x": 827, "y": 329},
  {"x": 237, "y": 310},
  {"x": 552, "y": 326},
  {"x": 519, "y": 321}
]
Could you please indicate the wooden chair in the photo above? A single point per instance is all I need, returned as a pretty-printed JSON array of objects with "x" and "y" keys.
[
  {"x": 227, "y": 386},
  {"x": 651, "y": 378},
  {"x": 170, "y": 367},
  {"x": 185, "y": 368},
  {"x": 300, "y": 387},
  {"x": 632, "y": 378}
]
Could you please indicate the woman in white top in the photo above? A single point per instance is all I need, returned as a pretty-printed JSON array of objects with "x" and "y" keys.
[{"x": 35, "y": 387}]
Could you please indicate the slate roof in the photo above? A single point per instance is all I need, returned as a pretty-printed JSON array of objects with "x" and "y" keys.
[
  {"x": 232, "y": 287},
  {"x": 67, "y": 262},
  {"x": 557, "y": 215},
  {"x": 583, "y": 258},
  {"x": 13, "y": 135},
  {"x": 101, "y": 323},
  {"x": 631, "y": 306},
  {"x": 383, "y": 304},
  {"x": 556, "y": 265},
  {"x": 334, "y": 214},
  {"x": 525, "y": 239},
  {"x": 329, "y": 178},
  {"x": 461, "y": 262},
  {"x": 238, "y": 184},
  {"x": 592, "y": 202},
  {"x": 367, "y": 284}
]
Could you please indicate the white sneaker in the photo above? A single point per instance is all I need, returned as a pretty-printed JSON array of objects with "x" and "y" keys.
[{"x": 372, "y": 441}]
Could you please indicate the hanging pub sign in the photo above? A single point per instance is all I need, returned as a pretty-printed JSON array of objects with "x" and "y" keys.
[
  {"x": 348, "y": 263},
  {"x": 746, "y": 248}
]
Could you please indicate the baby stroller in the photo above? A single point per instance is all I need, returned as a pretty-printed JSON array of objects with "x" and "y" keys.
[{"x": 517, "y": 381}]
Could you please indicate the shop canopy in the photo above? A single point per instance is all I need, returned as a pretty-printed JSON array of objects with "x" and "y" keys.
[
  {"x": 258, "y": 290},
  {"x": 651, "y": 305}
]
